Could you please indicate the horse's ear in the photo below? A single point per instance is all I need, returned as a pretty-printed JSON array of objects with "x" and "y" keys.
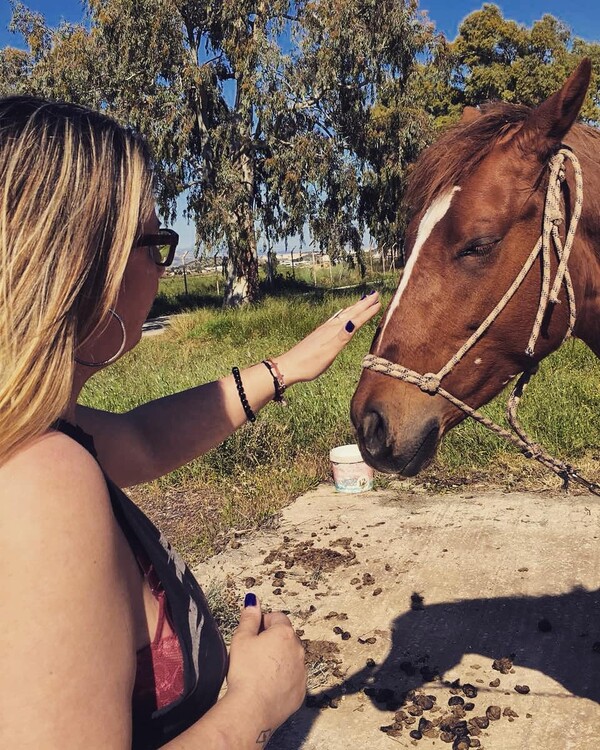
[
  {"x": 469, "y": 114},
  {"x": 548, "y": 124}
]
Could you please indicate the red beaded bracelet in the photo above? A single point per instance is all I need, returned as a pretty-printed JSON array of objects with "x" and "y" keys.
[{"x": 278, "y": 381}]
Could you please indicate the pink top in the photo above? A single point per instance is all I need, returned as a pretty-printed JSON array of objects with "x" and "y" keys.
[{"x": 159, "y": 676}]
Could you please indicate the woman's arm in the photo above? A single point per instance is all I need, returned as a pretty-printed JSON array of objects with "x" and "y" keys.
[
  {"x": 162, "y": 435},
  {"x": 266, "y": 683},
  {"x": 69, "y": 625}
]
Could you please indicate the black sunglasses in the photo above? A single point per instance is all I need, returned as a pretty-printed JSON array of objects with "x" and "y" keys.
[{"x": 161, "y": 245}]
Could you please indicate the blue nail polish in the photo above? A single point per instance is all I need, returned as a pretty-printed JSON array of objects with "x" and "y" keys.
[
  {"x": 364, "y": 295},
  {"x": 372, "y": 291},
  {"x": 250, "y": 600},
  {"x": 349, "y": 326}
]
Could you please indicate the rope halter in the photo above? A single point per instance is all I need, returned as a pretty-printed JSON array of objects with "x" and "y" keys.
[{"x": 431, "y": 383}]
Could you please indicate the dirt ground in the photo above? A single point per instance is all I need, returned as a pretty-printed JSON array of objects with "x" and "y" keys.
[{"x": 434, "y": 620}]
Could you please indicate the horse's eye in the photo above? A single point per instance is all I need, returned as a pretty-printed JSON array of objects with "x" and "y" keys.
[{"x": 479, "y": 249}]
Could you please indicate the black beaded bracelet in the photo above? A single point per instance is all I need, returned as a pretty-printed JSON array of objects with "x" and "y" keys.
[{"x": 250, "y": 415}]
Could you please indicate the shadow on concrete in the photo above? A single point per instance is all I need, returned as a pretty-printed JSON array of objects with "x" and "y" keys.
[{"x": 429, "y": 641}]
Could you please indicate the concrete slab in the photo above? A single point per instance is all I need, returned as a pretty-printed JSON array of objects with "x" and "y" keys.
[{"x": 436, "y": 587}]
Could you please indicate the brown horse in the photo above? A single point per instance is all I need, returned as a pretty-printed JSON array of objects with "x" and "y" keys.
[{"x": 477, "y": 198}]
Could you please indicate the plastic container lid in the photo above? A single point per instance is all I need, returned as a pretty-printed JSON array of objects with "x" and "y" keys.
[{"x": 345, "y": 454}]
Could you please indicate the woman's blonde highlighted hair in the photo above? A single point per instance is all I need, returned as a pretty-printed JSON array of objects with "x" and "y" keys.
[{"x": 75, "y": 188}]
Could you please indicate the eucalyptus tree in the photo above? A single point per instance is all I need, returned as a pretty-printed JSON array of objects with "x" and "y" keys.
[
  {"x": 271, "y": 115},
  {"x": 494, "y": 57}
]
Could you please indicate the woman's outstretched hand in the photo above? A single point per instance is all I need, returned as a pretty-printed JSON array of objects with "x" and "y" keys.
[{"x": 313, "y": 355}]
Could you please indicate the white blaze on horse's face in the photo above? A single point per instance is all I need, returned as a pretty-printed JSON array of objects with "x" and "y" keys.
[{"x": 434, "y": 214}]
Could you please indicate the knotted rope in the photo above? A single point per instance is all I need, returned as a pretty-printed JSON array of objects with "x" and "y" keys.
[{"x": 431, "y": 382}]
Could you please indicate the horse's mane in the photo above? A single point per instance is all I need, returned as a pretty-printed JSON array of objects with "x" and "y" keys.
[{"x": 461, "y": 148}]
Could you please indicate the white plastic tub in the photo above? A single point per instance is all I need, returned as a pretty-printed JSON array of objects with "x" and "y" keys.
[{"x": 350, "y": 472}]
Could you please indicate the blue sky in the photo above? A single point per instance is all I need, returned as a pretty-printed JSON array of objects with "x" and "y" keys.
[{"x": 582, "y": 16}]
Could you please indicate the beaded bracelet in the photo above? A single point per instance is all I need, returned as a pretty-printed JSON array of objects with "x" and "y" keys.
[
  {"x": 278, "y": 381},
  {"x": 250, "y": 415}
]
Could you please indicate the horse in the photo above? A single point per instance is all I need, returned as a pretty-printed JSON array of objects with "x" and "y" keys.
[{"x": 474, "y": 306}]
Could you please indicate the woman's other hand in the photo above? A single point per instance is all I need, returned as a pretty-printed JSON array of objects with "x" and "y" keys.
[
  {"x": 313, "y": 355},
  {"x": 266, "y": 666}
]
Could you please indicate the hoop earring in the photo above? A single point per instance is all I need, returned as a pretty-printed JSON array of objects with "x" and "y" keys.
[{"x": 114, "y": 357}]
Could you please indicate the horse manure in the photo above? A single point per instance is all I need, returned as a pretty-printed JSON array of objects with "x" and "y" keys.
[
  {"x": 346, "y": 635},
  {"x": 469, "y": 706},
  {"x": 377, "y": 591},
  {"x": 337, "y": 630},
  {"x": 249, "y": 582},
  {"x": 424, "y": 701},
  {"x": 503, "y": 665},
  {"x": 424, "y": 725},
  {"x": 456, "y": 700},
  {"x": 407, "y": 668},
  {"x": 367, "y": 579},
  {"x": 510, "y": 713},
  {"x": 470, "y": 690},
  {"x": 446, "y": 737},
  {"x": 482, "y": 722},
  {"x": 493, "y": 713},
  {"x": 415, "y": 710},
  {"x": 428, "y": 674},
  {"x": 495, "y": 683},
  {"x": 544, "y": 625},
  {"x": 370, "y": 663},
  {"x": 416, "y": 735},
  {"x": 461, "y": 743},
  {"x": 381, "y": 695},
  {"x": 523, "y": 689}
]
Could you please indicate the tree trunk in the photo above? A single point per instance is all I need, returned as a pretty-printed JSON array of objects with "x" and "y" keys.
[{"x": 241, "y": 287}]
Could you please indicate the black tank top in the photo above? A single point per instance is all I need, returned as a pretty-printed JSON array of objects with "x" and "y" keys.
[{"x": 202, "y": 647}]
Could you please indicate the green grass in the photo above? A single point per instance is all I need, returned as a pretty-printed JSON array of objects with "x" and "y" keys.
[{"x": 263, "y": 466}]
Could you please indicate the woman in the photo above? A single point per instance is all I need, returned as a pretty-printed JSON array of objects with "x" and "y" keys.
[{"x": 107, "y": 640}]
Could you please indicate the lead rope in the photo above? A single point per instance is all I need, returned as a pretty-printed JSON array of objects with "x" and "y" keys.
[{"x": 431, "y": 382}]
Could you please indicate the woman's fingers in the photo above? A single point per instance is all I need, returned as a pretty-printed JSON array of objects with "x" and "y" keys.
[{"x": 358, "y": 314}]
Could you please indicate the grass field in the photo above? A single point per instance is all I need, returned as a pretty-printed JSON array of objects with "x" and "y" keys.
[{"x": 264, "y": 466}]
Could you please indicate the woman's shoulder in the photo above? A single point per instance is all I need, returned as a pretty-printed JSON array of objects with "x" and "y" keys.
[
  {"x": 50, "y": 486},
  {"x": 52, "y": 465}
]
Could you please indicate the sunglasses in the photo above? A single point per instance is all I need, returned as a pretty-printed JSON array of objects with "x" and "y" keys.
[{"x": 161, "y": 246}]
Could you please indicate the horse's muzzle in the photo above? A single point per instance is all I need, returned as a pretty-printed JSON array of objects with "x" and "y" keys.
[{"x": 405, "y": 454}]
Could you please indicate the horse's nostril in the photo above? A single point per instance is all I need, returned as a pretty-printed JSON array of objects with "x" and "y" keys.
[{"x": 374, "y": 431}]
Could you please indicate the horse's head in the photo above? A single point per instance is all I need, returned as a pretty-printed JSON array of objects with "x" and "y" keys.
[{"x": 477, "y": 196}]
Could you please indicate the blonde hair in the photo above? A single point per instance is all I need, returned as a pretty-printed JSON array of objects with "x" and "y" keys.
[{"x": 75, "y": 188}]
